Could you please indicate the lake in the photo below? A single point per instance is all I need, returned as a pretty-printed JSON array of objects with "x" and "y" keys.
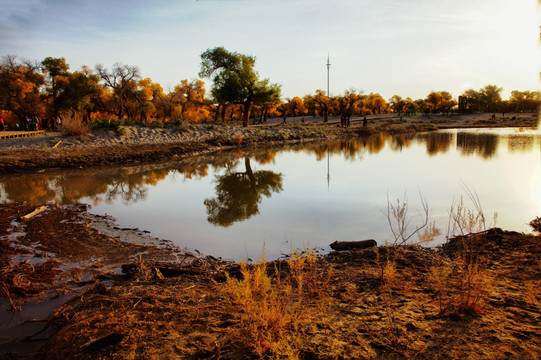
[{"x": 232, "y": 204}]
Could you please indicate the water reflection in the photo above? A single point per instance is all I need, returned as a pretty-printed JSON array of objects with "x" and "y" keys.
[
  {"x": 131, "y": 184},
  {"x": 520, "y": 143},
  {"x": 437, "y": 143},
  {"x": 238, "y": 194},
  {"x": 351, "y": 149},
  {"x": 212, "y": 202},
  {"x": 484, "y": 145}
]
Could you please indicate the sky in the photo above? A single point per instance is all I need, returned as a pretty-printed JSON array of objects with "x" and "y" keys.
[{"x": 403, "y": 47}]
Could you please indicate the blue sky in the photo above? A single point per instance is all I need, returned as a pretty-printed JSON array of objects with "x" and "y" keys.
[{"x": 404, "y": 47}]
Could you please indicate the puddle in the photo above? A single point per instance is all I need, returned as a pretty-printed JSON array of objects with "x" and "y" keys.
[
  {"x": 25, "y": 331},
  {"x": 31, "y": 259}
]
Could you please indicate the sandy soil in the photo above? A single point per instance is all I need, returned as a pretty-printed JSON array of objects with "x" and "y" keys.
[
  {"x": 138, "y": 144},
  {"x": 119, "y": 293}
]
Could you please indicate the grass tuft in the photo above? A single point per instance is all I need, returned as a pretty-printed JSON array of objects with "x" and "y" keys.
[{"x": 272, "y": 302}]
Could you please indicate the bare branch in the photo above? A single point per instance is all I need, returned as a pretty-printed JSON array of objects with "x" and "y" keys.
[{"x": 399, "y": 221}]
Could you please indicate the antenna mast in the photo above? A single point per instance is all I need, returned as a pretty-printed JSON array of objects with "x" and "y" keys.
[{"x": 328, "y": 68}]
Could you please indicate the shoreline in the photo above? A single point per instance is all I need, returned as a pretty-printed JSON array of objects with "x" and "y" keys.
[{"x": 142, "y": 144}]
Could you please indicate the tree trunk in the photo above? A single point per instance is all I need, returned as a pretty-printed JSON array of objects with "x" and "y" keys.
[
  {"x": 224, "y": 108},
  {"x": 249, "y": 171},
  {"x": 246, "y": 113}
]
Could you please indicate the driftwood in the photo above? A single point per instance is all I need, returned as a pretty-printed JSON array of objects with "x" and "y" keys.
[
  {"x": 33, "y": 213},
  {"x": 353, "y": 245}
]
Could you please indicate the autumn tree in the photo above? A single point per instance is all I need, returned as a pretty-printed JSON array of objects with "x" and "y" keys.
[
  {"x": 350, "y": 103},
  {"x": 80, "y": 93},
  {"x": 235, "y": 80},
  {"x": 524, "y": 100},
  {"x": 321, "y": 103},
  {"x": 120, "y": 80},
  {"x": 189, "y": 99},
  {"x": 490, "y": 97},
  {"x": 434, "y": 100},
  {"x": 410, "y": 106},
  {"x": 470, "y": 101},
  {"x": 396, "y": 103},
  {"x": 20, "y": 85},
  {"x": 440, "y": 101},
  {"x": 139, "y": 97},
  {"x": 376, "y": 104},
  {"x": 295, "y": 107}
]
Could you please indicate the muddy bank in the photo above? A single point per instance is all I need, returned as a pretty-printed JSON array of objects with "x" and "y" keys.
[
  {"x": 61, "y": 253},
  {"x": 32, "y": 160},
  {"x": 119, "y": 293}
]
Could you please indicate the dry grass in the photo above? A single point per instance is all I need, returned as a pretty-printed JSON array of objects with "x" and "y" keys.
[
  {"x": 73, "y": 124},
  {"x": 271, "y": 308}
]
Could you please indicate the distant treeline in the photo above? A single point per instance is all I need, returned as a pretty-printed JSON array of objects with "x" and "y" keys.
[{"x": 48, "y": 89}]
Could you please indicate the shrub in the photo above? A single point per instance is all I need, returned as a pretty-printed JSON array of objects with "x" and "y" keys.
[
  {"x": 468, "y": 282},
  {"x": 73, "y": 125},
  {"x": 272, "y": 307}
]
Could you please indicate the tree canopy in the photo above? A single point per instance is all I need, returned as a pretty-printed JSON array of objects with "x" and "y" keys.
[
  {"x": 235, "y": 81},
  {"x": 49, "y": 88}
]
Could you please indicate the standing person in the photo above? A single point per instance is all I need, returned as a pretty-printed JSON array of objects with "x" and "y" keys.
[
  {"x": 349, "y": 120},
  {"x": 58, "y": 122},
  {"x": 284, "y": 120}
]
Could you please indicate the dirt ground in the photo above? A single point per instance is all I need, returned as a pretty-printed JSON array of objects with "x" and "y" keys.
[
  {"x": 146, "y": 144},
  {"x": 120, "y": 299}
]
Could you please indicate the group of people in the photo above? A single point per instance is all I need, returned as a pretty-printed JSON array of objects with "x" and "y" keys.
[
  {"x": 345, "y": 120},
  {"x": 35, "y": 123},
  {"x": 32, "y": 123}
]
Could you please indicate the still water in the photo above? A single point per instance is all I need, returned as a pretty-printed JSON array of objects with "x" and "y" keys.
[{"x": 232, "y": 204}]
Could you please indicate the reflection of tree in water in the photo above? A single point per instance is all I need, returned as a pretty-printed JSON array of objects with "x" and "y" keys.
[
  {"x": 238, "y": 194},
  {"x": 401, "y": 141},
  {"x": 520, "y": 143},
  {"x": 129, "y": 189},
  {"x": 266, "y": 157},
  {"x": 129, "y": 184},
  {"x": 352, "y": 149},
  {"x": 437, "y": 142},
  {"x": 34, "y": 189},
  {"x": 374, "y": 143},
  {"x": 485, "y": 145}
]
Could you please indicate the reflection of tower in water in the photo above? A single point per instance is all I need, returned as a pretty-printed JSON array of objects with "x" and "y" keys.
[{"x": 328, "y": 172}]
